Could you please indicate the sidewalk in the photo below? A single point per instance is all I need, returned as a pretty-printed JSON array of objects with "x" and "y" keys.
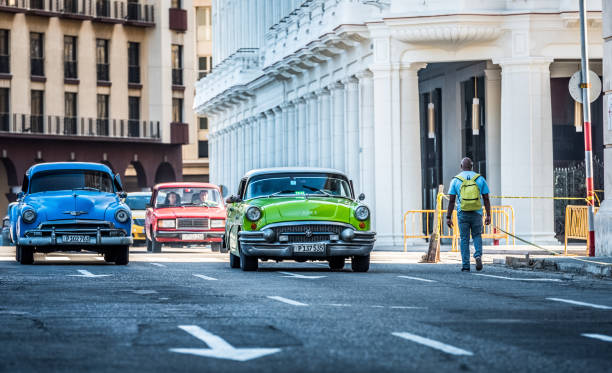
[{"x": 581, "y": 265}]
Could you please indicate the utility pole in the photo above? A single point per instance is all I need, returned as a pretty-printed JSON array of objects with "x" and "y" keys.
[{"x": 586, "y": 114}]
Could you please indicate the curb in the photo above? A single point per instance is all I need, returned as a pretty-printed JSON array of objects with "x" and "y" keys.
[{"x": 565, "y": 265}]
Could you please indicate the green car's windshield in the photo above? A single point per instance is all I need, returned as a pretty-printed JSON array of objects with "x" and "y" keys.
[
  {"x": 47, "y": 181},
  {"x": 295, "y": 185},
  {"x": 172, "y": 197}
]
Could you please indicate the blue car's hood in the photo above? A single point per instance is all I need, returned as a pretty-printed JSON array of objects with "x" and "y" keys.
[{"x": 77, "y": 204}]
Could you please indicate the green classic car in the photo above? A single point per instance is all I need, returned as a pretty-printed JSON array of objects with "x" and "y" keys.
[{"x": 299, "y": 214}]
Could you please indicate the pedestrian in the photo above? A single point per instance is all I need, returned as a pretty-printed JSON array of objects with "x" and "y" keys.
[{"x": 465, "y": 191}]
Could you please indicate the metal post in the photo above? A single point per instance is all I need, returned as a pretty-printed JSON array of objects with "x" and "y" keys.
[{"x": 586, "y": 112}]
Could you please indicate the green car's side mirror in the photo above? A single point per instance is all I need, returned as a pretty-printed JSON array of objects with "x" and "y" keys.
[
  {"x": 361, "y": 197},
  {"x": 232, "y": 199}
]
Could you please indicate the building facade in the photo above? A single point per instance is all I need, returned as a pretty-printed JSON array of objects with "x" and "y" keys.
[
  {"x": 396, "y": 92},
  {"x": 102, "y": 81}
]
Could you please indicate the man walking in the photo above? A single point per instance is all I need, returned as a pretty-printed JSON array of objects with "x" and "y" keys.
[{"x": 465, "y": 190}]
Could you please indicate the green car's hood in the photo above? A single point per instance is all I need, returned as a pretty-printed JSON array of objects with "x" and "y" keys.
[{"x": 282, "y": 209}]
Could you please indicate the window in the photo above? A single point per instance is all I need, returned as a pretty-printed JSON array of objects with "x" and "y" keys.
[
  {"x": 203, "y": 23},
  {"x": 133, "y": 10},
  {"x": 203, "y": 149},
  {"x": 203, "y": 123},
  {"x": 5, "y": 112},
  {"x": 5, "y": 52},
  {"x": 71, "y": 6},
  {"x": 177, "y": 110},
  {"x": 70, "y": 113},
  {"x": 133, "y": 62},
  {"x": 37, "y": 111},
  {"x": 37, "y": 4},
  {"x": 102, "y": 60},
  {"x": 134, "y": 115},
  {"x": 70, "y": 57},
  {"x": 102, "y": 8},
  {"x": 176, "y": 4},
  {"x": 102, "y": 117},
  {"x": 37, "y": 57},
  {"x": 177, "y": 64},
  {"x": 203, "y": 66}
]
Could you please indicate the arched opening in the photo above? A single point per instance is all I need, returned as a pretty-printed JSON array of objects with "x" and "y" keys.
[
  {"x": 164, "y": 173},
  {"x": 110, "y": 165},
  {"x": 135, "y": 178},
  {"x": 8, "y": 184}
]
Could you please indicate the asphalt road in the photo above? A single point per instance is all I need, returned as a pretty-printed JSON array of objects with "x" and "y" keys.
[{"x": 186, "y": 310}]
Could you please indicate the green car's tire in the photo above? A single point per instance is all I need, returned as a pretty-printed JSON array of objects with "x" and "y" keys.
[
  {"x": 122, "y": 255},
  {"x": 248, "y": 263},
  {"x": 360, "y": 263},
  {"x": 26, "y": 254},
  {"x": 234, "y": 261},
  {"x": 336, "y": 263}
]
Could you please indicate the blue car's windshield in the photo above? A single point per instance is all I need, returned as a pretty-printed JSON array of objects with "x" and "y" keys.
[
  {"x": 326, "y": 185},
  {"x": 71, "y": 179},
  {"x": 137, "y": 202}
]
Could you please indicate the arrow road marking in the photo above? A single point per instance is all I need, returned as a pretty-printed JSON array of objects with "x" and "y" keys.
[
  {"x": 519, "y": 279},
  {"x": 598, "y": 306},
  {"x": 601, "y": 337},
  {"x": 417, "y": 278},
  {"x": 295, "y": 275},
  {"x": 434, "y": 344},
  {"x": 157, "y": 264},
  {"x": 85, "y": 273},
  {"x": 219, "y": 348},
  {"x": 206, "y": 277},
  {"x": 288, "y": 301}
]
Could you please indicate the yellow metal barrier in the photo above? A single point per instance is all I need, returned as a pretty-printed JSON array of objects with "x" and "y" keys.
[{"x": 577, "y": 223}]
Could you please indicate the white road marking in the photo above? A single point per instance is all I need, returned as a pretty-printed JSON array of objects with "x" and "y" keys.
[
  {"x": 164, "y": 298},
  {"x": 434, "y": 344},
  {"x": 408, "y": 308},
  {"x": 219, "y": 348},
  {"x": 206, "y": 277},
  {"x": 417, "y": 278},
  {"x": 157, "y": 264},
  {"x": 520, "y": 279},
  {"x": 7, "y": 258},
  {"x": 601, "y": 337},
  {"x": 143, "y": 292},
  {"x": 52, "y": 258},
  {"x": 288, "y": 301},
  {"x": 377, "y": 306},
  {"x": 338, "y": 305},
  {"x": 295, "y": 275},
  {"x": 592, "y": 305},
  {"x": 85, "y": 273}
]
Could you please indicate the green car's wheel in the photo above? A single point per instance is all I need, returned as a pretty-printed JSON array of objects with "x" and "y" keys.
[
  {"x": 248, "y": 263},
  {"x": 26, "y": 255},
  {"x": 360, "y": 263},
  {"x": 336, "y": 262},
  {"x": 234, "y": 261},
  {"x": 122, "y": 255}
]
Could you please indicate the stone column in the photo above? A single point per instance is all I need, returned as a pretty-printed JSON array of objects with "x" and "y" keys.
[
  {"x": 351, "y": 127},
  {"x": 270, "y": 142},
  {"x": 324, "y": 128},
  {"x": 225, "y": 161},
  {"x": 337, "y": 144},
  {"x": 366, "y": 138},
  {"x": 278, "y": 137},
  {"x": 240, "y": 151},
  {"x": 291, "y": 160},
  {"x": 301, "y": 137},
  {"x": 527, "y": 170},
  {"x": 312, "y": 149},
  {"x": 257, "y": 140},
  {"x": 493, "y": 123},
  {"x": 285, "y": 130},
  {"x": 233, "y": 157}
]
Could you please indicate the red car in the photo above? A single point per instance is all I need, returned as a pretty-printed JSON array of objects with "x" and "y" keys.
[{"x": 185, "y": 214}]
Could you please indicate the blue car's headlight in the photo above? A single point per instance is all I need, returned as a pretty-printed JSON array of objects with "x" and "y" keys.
[
  {"x": 28, "y": 216},
  {"x": 122, "y": 216}
]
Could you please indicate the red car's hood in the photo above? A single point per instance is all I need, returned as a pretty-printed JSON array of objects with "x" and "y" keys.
[{"x": 190, "y": 212}]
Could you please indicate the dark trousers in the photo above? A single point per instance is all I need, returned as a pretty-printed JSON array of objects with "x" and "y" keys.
[{"x": 470, "y": 222}]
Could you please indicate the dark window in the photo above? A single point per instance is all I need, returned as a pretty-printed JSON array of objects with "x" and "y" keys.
[
  {"x": 5, "y": 112},
  {"x": 37, "y": 4},
  {"x": 102, "y": 119},
  {"x": 133, "y": 62},
  {"x": 175, "y": 4},
  {"x": 177, "y": 64},
  {"x": 102, "y": 8},
  {"x": 102, "y": 59},
  {"x": 134, "y": 115},
  {"x": 70, "y": 57},
  {"x": 5, "y": 52},
  {"x": 203, "y": 123},
  {"x": 37, "y": 106},
  {"x": 177, "y": 110},
  {"x": 203, "y": 149},
  {"x": 71, "y": 6},
  {"x": 133, "y": 9},
  {"x": 202, "y": 67},
  {"x": 70, "y": 113},
  {"x": 37, "y": 57}
]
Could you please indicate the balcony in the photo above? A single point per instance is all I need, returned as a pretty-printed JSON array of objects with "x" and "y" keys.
[
  {"x": 177, "y": 77},
  {"x": 178, "y": 19},
  {"x": 140, "y": 14},
  {"x": 179, "y": 133},
  {"x": 76, "y": 128},
  {"x": 37, "y": 67},
  {"x": 103, "y": 72}
]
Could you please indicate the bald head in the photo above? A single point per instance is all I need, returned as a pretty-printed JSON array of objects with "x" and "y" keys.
[{"x": 466, "y": 164}]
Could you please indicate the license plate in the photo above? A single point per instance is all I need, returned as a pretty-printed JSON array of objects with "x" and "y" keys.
[
  {"x": 309, "y": 248},
  {"x": 73, "y": 238},
  {"x": 193, "y": 236}
]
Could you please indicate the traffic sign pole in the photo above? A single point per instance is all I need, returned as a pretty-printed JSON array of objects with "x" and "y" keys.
[{"x": 586, "y": 113}]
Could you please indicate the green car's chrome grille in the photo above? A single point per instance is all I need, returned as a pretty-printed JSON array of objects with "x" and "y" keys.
[{"x": 308, "y": 232}]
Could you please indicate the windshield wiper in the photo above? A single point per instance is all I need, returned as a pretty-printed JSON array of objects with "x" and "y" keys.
[
  {"x": 87, "y": 188},
  {"x": 281, "y": 192},
  {"x": 317, "y": 190}
]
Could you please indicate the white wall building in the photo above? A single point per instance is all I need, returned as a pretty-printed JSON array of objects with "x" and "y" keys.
[{"x": 346, "y": 84}]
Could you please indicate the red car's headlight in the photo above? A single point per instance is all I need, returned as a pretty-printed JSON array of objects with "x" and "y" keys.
[{"x": 217, "y": 223}]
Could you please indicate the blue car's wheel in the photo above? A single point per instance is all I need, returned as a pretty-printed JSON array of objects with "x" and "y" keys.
[
  {"x": 26, "y": 254},
  {"x": 122, "y": 255}
]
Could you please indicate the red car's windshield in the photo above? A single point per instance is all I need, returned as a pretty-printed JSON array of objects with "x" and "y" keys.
[{"x": 173, "y": 197}]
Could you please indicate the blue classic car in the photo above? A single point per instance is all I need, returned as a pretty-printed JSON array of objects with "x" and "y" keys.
[{"x": 71, "y": 206}]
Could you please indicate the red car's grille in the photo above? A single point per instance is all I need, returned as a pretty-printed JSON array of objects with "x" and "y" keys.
[{"x": 193, "y": 223}]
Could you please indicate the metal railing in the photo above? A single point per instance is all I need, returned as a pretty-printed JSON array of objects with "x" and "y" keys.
[
  {"x": 577, "y": 224},
  {"x": 73, "y": 126}
]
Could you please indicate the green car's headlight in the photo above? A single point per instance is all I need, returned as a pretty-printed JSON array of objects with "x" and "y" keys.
[
  {"x": 362, "y": 213},
  {"x": 253, "y": 213}
]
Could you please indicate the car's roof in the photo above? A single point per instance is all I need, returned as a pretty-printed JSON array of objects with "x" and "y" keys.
[
  {"x": 185, "y": 185},
  {"x": 139, "y": 194},
  {"x": 284, "y": 170},
  {"x": 68, "y": 166}
]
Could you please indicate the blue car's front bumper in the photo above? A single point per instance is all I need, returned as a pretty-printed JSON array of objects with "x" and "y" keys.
[{"x": 91, "y": 233}]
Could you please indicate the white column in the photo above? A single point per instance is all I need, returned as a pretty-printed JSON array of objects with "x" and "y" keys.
[
  {"x": 324, "y": 128},
  {"x": 493, "y": 123},
  {"x": 302, "y": 134},
  {"x": 285, "y": 131},
  {"x": 291, "y": 161},
  {"x": 270, "y": 142},
  {"x": 240, "y": 151},
  {"x": 366, "y": 137},
  {"x": 338, "y": 156},
  {"x": 250, "y": 143},
  {"x": 233, "y": 158},
  {"x": 526, "y": 119},
  {"x": 225, "y": 161},
  {"x": 313, "y": 136},
  {"x": 352, "y": 129},
  {"x": 278, "y": 137}
]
